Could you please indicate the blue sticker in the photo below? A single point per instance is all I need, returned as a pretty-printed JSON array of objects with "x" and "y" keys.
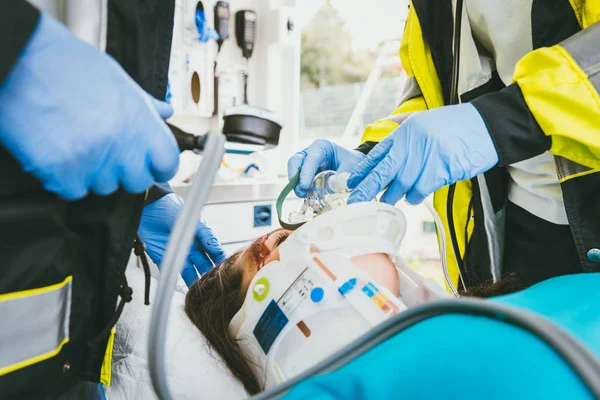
[
  {"x": 270, "y": 324},
  {"x": 347, "y": 286},
  {"x": 370, "y": 289},
  {"x": 317, "y": 294}
]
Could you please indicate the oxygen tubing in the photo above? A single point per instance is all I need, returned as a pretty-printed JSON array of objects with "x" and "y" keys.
[
  {"x": 566, "y": 346},
  {"x": 180, "y": 242}
]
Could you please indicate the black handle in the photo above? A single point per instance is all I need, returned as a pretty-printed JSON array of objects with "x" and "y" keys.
[{"x": 187, "y": 141}]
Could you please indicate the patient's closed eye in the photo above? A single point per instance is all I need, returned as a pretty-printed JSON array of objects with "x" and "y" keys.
[{"x": 281, "y": 238}]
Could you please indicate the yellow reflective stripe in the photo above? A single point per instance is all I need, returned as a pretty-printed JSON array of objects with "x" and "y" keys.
[
  {"x": 412, "y": 105},
  {"x": 416, "y": 58},
  {"x": 106, "y": 371},
  {"x": 146, "y": 195},
  {"x": 591, "y": 13},
  {"x": 584, "y": 173},
  {"x": 34, "y": 360},
  {"x": 582, "y": 146},
  {"x": 378, "y": 130},
  {"x": 462, "y": 198},
  {"x": 418, "y": 55},
  {"x": 577, "y": 6},
  {"x": 404, "y": 59},
  {"x": 418, "y": 62},
  {"x": 587, "y": 12},
  {"x": 563, "y": 102},
  {"x": 33, "y": 292}
]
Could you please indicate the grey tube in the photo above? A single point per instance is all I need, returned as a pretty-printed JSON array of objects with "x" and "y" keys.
[
  {"x": 177, "y": 251},
  {"x": 583, "y": 362}
]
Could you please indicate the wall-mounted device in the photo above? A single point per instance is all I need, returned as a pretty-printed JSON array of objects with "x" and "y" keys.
[
  {"x": 245, "y": 34},
  {"x": 245, "y": 31},
  {"x": 222, "y": 16},
  {"x": 262, "y": 215},
  {"x": 251, "y": 127}
]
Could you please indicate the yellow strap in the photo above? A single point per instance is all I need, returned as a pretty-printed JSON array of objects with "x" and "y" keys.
[{"x": 106, "y": 371}]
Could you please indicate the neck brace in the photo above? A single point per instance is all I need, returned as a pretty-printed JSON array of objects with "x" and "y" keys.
[{"x": 314, "y": 301}]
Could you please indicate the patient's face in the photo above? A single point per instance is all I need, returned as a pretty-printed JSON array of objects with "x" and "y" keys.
[
  {"x": 262, "y": 251},
  {"x": 265, "y": 249}
]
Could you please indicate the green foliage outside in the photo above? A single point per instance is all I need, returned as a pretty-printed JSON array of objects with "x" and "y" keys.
[{"x": 327, "y": 56}]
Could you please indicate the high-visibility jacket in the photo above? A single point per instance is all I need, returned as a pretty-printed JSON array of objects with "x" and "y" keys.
[
  {"x": 553, "y": 104},
  {"x": 63, "y": 262}
]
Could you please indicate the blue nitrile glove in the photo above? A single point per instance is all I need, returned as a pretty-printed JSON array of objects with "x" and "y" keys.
[
  {"x": 431, "y": 149},
  {"x": 157, "y": 222},
  {"x": 204, "y": 30},
  {"x": 321, "y": 155},
  {"x": 75, "y": 120}
]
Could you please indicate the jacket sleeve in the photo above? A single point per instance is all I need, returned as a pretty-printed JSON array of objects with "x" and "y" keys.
[
  {"x": 18, "y": 20},
  {"x": 157, "y": 191},
  {"x": 412, "y": 99},
  {"x": 553, "y": 104}
]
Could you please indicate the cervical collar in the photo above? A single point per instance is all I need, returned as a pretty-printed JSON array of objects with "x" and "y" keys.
[{"x": 312, "y": 302}]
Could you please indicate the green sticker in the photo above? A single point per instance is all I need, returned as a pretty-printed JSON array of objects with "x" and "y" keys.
[{"x": 260, "y": 289}]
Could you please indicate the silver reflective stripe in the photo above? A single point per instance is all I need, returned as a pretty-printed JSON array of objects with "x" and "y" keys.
[
  {"x": 411, "y": 89},
  {"x": 566, "y": 168},
  {"x": 35, "y": 325},
  {"x": 103, "y": 26},
  {"x": 494, "y": 229},
  {"x": 399, "y": 118},
  {"x": 583, "y": 47}
]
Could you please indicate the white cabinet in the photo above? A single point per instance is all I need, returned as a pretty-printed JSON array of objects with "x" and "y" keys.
[
  {"x": 234, "y": 223},
  {"x": 240, "y": 213},
  {"x": 191, "y": 68}
]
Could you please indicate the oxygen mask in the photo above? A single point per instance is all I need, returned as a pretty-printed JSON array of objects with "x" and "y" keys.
[{"x": 328, "y": 191}]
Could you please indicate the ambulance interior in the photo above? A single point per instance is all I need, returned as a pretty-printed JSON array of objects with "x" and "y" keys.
[{"x": 426, "y": 342}]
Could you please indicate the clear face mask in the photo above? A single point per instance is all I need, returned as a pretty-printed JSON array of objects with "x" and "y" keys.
[{"x": 328, "y": 191}]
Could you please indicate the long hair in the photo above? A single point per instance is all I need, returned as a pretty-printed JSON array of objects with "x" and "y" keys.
[
  {"x": 211, "y": 303},
  {"x": 508, "y": 284}
]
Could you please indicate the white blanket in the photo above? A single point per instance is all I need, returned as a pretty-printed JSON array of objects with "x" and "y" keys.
[{"x": 194, "y": 371}]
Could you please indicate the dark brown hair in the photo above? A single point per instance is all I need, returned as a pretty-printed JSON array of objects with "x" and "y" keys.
[
  {"x": 508, "y": 284},
  {"x": 211, "y": 304}
]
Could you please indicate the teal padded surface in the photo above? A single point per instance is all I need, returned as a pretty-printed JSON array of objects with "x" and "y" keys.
[{"x": 468, "y": 357}]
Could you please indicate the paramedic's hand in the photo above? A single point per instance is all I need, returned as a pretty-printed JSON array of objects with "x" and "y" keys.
[
  {"x": 431, "y": 149},
  {"x": 75, "y": 120},
  {"x": 157, "y": 221},
  {"x": 322, "y": 155}
]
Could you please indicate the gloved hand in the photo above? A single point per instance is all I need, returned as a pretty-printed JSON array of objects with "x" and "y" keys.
[
  {"x": 321, "y": 155},
  {"x": 431, "y": 149},
  {"x": 75, "y": 120},
  {"x": 157, "y": 222}
]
